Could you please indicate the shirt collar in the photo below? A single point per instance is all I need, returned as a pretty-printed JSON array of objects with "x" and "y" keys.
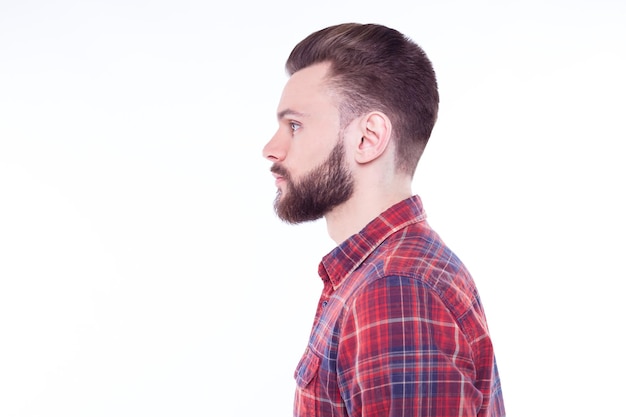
[{"x": 350, "y": 254}]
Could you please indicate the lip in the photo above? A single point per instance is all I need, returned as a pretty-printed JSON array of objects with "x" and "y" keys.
[
  {"x": 278, "y": 174},
  {"x": 278, "y": 179}
]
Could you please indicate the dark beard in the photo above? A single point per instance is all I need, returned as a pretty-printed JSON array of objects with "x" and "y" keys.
[{"x": 321, "y": 190}]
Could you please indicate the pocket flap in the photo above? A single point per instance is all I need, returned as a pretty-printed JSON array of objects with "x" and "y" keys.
[{"x": 307, "y": 368}]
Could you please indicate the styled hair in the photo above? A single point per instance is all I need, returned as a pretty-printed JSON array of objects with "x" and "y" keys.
[{"x": 373, "y": 67}]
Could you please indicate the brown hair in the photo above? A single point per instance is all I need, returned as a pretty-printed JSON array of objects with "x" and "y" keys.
[{"x": 374, "y": 67}]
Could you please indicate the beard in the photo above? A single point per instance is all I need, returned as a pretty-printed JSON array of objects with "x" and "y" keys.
[{"x": 318, "y": 192}]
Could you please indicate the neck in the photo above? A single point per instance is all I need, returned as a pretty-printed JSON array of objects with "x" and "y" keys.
[{"x": 363, "y": 207}]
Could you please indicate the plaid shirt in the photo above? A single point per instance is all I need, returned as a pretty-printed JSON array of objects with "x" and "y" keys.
[{"x": 399, "y": 329}]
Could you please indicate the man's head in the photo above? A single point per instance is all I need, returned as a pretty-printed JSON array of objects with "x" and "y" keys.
[
  {"x": 373, "y": 67},
  {"x": 345, "y": 82}
]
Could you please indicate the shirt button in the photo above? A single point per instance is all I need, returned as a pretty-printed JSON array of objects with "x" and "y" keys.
[{"x": 324, "y": 304}]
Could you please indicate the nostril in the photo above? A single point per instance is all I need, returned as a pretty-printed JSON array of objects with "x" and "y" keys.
[
  {"x": 275, "y": 149},
  {"x": 272, "y": 154}
]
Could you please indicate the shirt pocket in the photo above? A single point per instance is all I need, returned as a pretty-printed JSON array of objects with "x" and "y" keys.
[{"x": 307, "y": 368}]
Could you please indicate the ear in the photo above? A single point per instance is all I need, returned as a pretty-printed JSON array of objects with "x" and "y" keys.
[{"x": 376, "y": 130}]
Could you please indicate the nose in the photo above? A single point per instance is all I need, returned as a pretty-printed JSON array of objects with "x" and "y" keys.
[{"x": 275, "y": 150}]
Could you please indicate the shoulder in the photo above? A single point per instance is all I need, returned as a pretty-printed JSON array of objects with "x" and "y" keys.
[
  {"x": 419, "y": 253},
  {"x": 415, "y": 264}
]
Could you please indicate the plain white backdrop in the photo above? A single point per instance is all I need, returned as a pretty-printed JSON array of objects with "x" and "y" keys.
[{"x": 142, "y": 269}]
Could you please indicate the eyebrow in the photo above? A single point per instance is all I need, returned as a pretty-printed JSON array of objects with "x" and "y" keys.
[{"x": 289, "y": 112}]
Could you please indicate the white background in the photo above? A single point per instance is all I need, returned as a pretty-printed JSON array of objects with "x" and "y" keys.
[{"x": 142, "y": 269}]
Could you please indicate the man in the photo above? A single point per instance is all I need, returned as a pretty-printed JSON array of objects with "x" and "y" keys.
[{"x": 399, "y": 329}]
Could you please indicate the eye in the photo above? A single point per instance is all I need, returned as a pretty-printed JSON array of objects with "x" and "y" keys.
[{"x": 294, "y": 126}]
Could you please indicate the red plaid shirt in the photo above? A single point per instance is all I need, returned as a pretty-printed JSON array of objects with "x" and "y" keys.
[{"x": 399, "y": 329}]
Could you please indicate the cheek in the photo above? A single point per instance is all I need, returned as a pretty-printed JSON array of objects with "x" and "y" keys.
[{"x": 302, "y": 159}]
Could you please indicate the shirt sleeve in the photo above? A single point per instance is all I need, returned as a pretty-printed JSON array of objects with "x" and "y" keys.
[{"x": 402, "y": 353}]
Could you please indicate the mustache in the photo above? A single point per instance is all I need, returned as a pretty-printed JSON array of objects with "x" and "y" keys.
[{"x": 280, "y": 170}]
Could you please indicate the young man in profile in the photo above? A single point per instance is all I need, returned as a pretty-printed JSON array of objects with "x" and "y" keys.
[{"x": 399, "y": 329}]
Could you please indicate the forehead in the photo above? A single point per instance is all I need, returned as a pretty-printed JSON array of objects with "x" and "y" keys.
[{"x": 306, "y": 89}]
